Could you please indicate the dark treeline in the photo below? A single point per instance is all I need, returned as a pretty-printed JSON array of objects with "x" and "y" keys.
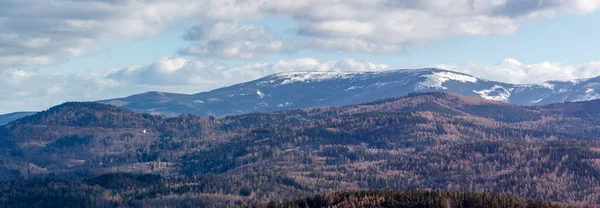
[
  {"x": 410, "y": 199},
  {"x": 130, "y": 190}
]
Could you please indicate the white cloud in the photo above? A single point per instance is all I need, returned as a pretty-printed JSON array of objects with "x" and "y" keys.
[
  {"x": 386, "y": 26},
  {"x": 42, "y": 32},
  {"x": 33, "y": 90},
  {"x": 513, "y": 71},
  {"x": 230, "y": 40},
  {"x": 25, "y": 60}
]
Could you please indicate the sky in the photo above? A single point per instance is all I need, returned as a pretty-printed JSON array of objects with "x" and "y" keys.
[{"x": 53, "y": 51}]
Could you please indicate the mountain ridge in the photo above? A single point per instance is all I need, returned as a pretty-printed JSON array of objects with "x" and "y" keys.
[
  {"x": 296, "y": 90},
  {"x": 293, "y": 90},
  {"x": 9, "y": 117}
]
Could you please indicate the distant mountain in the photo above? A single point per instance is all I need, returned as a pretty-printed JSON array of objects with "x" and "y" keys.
[
  {"x": 295, "y": 90},
  {"x": 6, "y": 118},
  {"x": 86, "y": 114}
]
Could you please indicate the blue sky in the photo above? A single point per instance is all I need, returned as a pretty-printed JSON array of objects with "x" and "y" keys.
[
  {"x": 56, "y": 51},
  {"x": 567, "y": 39}
]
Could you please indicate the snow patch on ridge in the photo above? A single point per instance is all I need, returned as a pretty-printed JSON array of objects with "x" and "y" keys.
[
  {"x": 260, "y": 94},
  {"x": 590, "y": 94},
  {"x": 436, "y": 80},
  {"x": 547, "y": 85},
  {"x": 496, "y": 93},
  {"x": 281, "y": 105},
  {"x": 537, "y": 101},
  {"x": 354, "y": 88},
  {"x": 294, "y": 77}
]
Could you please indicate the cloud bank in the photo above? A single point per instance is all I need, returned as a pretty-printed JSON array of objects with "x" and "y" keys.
[
  {"x": 42, "y": 32},
  {"x": 512, "y": 71}
]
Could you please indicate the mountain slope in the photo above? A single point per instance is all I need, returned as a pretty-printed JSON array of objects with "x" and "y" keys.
[
  {"x": 410, "y": 199},
  {"x": 295, "y": 90},
  {"x": 88, "y": 131},
  {"x": 428, "y": 140},
  {"x": 314, "y": 89},
  {"x": 129, "y": 190},
  {"x": 7, "y": 118}
]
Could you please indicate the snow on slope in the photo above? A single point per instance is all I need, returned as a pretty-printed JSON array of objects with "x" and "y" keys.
[
  {"x": 437, "y": 79},
  {"x": 315, "y": 89},
  {"x": 260, "y": 94},
  {"x": 590, "y": 92},
  {"x": 293, "y": 77},
  {"x": 497, "y": 93}
]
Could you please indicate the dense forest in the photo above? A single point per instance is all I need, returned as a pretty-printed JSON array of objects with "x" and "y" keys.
[
  {"x": 409, "y": 199},
  {"x": 130, "y": 190},
  {"x": 106, "y": 156}
]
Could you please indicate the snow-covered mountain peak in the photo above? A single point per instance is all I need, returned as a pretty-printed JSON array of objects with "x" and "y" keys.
[
  {"x": 289, "y": 78},
  {"x": 433, "y": 74},
  {"x": 308, "y": 77},
  {"x": 291, "y": 90}
]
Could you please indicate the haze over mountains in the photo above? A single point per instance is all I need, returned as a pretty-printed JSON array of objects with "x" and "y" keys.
[
  {"x": 293, "y": 90},
  {"x": 6, "y": 118}
]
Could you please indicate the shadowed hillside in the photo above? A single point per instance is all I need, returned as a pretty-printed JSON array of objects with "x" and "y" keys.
[
  {"x": 128, "y": 190},
  {"x": 410, "y": 199},
  {"x": 421, "y": 141}
]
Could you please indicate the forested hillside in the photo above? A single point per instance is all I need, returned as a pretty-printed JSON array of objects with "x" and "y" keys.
[
  {"x": 128, "y": 190},
  {"x": 422, "y": 141},
  {"x": 410, "y": 199}
]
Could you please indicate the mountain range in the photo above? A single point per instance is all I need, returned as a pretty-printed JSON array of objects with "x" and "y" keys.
[
  {"x": 431, "y": 140},
  {"x": 294, "y": 90}
]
